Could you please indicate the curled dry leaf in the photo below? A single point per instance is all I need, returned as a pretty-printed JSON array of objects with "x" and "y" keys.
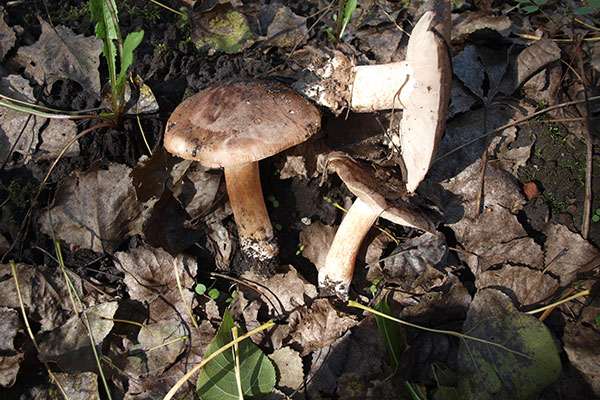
[
  {"x": 150, "y": 278},
  {"x": 96, "y": 209},
  {"x": 61, "y": 54},
  {"x": 10, "y": 361},
  {"x": 316, "y": 239}
]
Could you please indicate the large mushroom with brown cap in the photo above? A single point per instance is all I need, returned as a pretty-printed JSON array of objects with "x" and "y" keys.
[
  {"x": 373, "y": 200},
  {"x": 233, "y": 126}
]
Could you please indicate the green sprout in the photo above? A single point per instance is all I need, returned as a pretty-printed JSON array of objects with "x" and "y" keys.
[
  {"x": 373, "y": 287},
  {"x": 596, "y": 216},
  {"x": 300, "y": 248}
]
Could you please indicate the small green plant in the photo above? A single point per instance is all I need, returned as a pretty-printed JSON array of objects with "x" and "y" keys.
[
  {"x": 530, "y": 6},
  {"x": 345, "y": 11},
  {"x": 104, "y": 14},
  {"x": 273, "y": 200},
  {"x": 593, "y": 5},
  {"x": 373, "y": 287},
  {"x": 300, "y": 248},
  {"x": 596, "y": 216}
]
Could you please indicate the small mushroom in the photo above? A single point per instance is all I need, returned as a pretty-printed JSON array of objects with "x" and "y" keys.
[
  {"x": 373, "y": 201},
  {"x": 233, "y": 126}
]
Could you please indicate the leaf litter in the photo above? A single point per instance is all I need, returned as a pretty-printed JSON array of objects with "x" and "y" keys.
[{"x": 157, "y": 215}]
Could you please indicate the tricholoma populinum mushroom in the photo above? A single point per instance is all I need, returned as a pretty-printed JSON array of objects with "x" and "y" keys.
[
  {"x": 373, "y": 200},
  {"x": 420, "y": 85},
  {"x": 233, "y": 126}
]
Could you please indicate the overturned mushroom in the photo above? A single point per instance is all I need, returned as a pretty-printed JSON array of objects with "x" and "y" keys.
[
  {"x": 233, "y": 125},
  {"x": 371, "y": 202},
  {"x": 420, "y": 85}
]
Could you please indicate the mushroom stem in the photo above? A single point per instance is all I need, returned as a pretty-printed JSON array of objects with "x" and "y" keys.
[
  {"x": 254, "y": 226},
  {"x": 336, "y": 274},
  {"x": 380, "y": 87}
]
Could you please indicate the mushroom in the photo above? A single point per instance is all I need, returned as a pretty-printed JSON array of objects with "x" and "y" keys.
[
  {"x": 373, "y": 200},
  {"x": 233, "y": 126},
  {"x": 420, "y": 85}
]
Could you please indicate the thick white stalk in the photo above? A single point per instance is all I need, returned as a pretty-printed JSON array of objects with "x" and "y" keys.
[
  {"x": 252, "y": 219},
  {"x": 335, "y": 276},
  {"x": 381, "y": 87}
]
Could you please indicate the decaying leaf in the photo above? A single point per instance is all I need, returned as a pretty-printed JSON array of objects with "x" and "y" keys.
[
  {"x": 69, "y": 345},
  {"x": 359, "y": 352},
  {"x": 223, "y": 28},
  {"x": 318, "y": 326},
  {"x": 412, "y": 264},
  {"x": 527, "y": 362},
  {"x": 581, "y": 345},
  {"x": 10, "y": 325},
  {"x": 150, "y": 278},
  {"x": 55, "y": 137},
  {"x": 96, "y": 209},
  {"x": 288, "y": 365},
  {"x": 83, "y": 386},
  {"x": 526, "y": 286},
  {"x": 467, "y": 23},
  {"x": 16, "y": 127},
  {"x": 7, "y": 37},
  {"x": 281, "y": 26},
  {"x": 43, "y": 291},
  {"x": 568, "y": 254},
  {"x": 316, "y": 239},
  {"x": 60, "y": 54}
]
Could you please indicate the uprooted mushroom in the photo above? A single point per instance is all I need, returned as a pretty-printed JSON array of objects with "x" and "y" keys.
[
  {"x": 374, "y": 199},
  {"x": 233, "y": 126},
  {"x": 420, "y": 85}
]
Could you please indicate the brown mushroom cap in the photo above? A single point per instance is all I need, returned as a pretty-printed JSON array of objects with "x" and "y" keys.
[
  {"x": 392, "y": 205},
  {"x": 240, "y": 122}
]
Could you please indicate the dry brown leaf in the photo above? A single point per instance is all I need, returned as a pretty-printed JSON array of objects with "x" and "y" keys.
[
  {"x": 61, "y": 54},
  {"x": 526, "y": 286},
  {"x": 467, "y": 23},
  {"x": 290, "y": 373},
  {"x": 150, "y": 279},
  {"x": 83, "y": 386},
  {"x": 7, "y": 37},
  {"x": 55, "y": 137},
  {"x": 44, "y": 294},
  {"x": 95, "y": 209},
  {"x": 581, "y": 341},
  {"x": 318, "y": 326},
  {"x": 17, "y": 127},
  {"x": 285, "y": 29},
  {"x": 579, "y": 256},
  {"x": 10, "y": 325},
  {"x": 69, "y": 344},
  {"x": 316, "y": 239}
]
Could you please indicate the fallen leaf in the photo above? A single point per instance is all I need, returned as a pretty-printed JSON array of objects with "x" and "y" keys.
[
  {"x": 55, "y": 137},
  {"x": 525, "y": 286},
  {"x": 581, "y": 343},
  {"x": 535, "y": 57},
  {"x": 69, "y": 345},
  {"x": 83, "y": 386},
  {"x": 464, "y": 24},
  {"x": 568, "y": 254},
  {"x": 527, "y": 362},
  {"x": 150, "y": 278},
  {"x": 222, "y": 28},
  {"x": 413, "y": 263},
  {"x": 7, "y": 37},
  {"x": 96, "y": 209},
  {"x": 318, "y": 326},
  {"x": 283, "y": 27},
  {"x": 10, "y": 361},
  {"x": 290, "y": 371},
  {"x": 17, "y": 128},
  {"x": 43, "y": 293},
  {"x": 316, "y": 239},
  {"x": 61, "y": 54}
]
